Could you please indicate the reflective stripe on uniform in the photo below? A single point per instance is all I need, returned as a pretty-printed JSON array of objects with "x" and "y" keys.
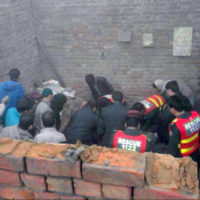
[
  {"x": 187, "y": 149},
  {"x": 159, "y": 99},
  {"x": 185, "y": 141},
  {"x": 155, "y": 103}
]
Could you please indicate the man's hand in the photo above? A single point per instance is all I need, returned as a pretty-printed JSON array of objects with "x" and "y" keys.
[{"x": 5, "y": 99}]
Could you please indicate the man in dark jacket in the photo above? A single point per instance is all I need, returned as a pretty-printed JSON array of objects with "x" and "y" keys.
[
  {"x": 112, "y": 117},
  {"x": 13, "y": 89},
  {"x": 99, "y": 86},
  {"x": 165, "y": 117},
  {"x": 57, "y": 103},
  {"x": 82, "y": 125}
]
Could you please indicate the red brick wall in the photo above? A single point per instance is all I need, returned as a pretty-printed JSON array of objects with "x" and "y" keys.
[{"x": 41, "y": 171}]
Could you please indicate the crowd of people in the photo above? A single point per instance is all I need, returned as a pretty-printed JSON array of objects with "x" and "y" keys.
[{"x": 166, "y": 122}]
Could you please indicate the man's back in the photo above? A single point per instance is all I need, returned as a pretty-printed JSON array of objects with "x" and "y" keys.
[
  {"x": 16, "y": 133},
  {"x": 82, "y": 126},
  {"x": 41, "y": 108},
  {"x": 112, "y": 117},
  {"x": 133, "y": 140},
  {"x": 49, "y": 135}
]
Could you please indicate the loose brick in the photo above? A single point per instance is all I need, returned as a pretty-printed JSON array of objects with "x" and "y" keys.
[
  {"x": 10, "y": 162},
  {"x": 34, "y": 182},
  {"x": 116, "y": 192},
  {"x": 53, "y": 167},
  {"x": 7, "y": 145},
  {"x": 156, "y": 193},
  {"x": 48, "y": 150},
  {"x": 87, "y": 189},
  {"x": 14, "y": 193},
  {"x": 9, "y": 178},
  {"x": 113, "y": 175},
  {"x": 69, "y": 197},
  {"x": 167, "y": 172},
  {"x": 45, "y": 196},
  {"x": 62, "y": 185}
]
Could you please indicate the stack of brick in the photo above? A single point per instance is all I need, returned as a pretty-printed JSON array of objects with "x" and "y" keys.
[{"x": 41, "y": 171}]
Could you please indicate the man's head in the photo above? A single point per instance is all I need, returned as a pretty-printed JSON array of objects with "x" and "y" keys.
[
  {"x": 172, "y": 88},
  {"x": 58, "y": 101},
  {"x": 175, "y": 104},
  {"x": 158, "y": 85},
  {"x": 117, "y": 96},
  {"x": 48, "y": 119},
  {"x": 24, "y": 104},
  {"x": 138, "y": 106},
  {"x": 89, "y": 79},
  {"x": 47, "y": 94},
  {"x": 133, "y": 122},
  {"x": 26, "y": 121},
  {"x": 14, "y": 74}
]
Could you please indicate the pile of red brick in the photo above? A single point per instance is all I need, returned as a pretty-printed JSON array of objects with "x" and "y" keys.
[{"x": 41, "y": 171}]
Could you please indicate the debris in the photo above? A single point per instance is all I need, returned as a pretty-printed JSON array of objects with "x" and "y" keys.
[{"x": 72, "y": 154}]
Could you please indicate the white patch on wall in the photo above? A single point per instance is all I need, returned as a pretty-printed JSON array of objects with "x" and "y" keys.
[
  {"x": 148, "y": 40},
  {"x": 182, "y": 45}
]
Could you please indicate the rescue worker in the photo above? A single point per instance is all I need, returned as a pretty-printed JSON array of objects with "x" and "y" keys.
[
  {"x": 183, "y": 130},
  {"x": 151, "y": 106},
  {"x": 132, "y": 138}
]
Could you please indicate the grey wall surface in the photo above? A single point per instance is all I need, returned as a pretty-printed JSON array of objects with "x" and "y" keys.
[
  {"x": 17, "y": 46},
  {"x": 77, "y": 37}
]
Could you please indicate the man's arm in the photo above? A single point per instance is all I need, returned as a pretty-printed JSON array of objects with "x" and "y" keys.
[{"x": 174, "y": 140}]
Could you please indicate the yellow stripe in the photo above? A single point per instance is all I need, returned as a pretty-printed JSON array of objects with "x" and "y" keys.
[
  {"x": 155, "y": 103},
  {"x": 187, "y": 150},
  {"x": 175, "y": 120},
  {"x": 185, "y": 141},
  {"x": 160, "y": 100}
]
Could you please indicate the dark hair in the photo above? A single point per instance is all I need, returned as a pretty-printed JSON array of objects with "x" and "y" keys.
[
  {"x": 138, "y": 106},
  {"x": 176, "y": 102},
  {"x": 14, "y": 74},
  {"x": 173, "y": 85},
  {"x": 91, "y": 104},
  {"x": 24, "y": 104},
  {"x": 58, "y": 101},
  {"x": 89, "y": 78},
  {"x": 26, "y": 120},
  {"x": 130, "y": 121},
  {"x": 117, "y": 96},
  {"x": 48, "y": 119}
]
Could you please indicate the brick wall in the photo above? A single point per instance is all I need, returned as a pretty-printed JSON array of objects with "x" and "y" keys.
[
  {"x": 18, "y": 48},
  {"x": 79, "y": 37},
  {"x": 82, "y": 37},
  {"x": 42, "y": 171}
]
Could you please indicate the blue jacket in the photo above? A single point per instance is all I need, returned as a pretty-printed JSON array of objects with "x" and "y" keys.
[
  {"x": 12, "y": 117},
  {"x": 14, "y": 90}
]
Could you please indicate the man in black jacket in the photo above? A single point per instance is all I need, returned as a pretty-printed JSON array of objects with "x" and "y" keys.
[
  {"x": 112, "y": 117},
  {"x": 99, "y": 86},
  {"x": 82, "y": 125}
]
